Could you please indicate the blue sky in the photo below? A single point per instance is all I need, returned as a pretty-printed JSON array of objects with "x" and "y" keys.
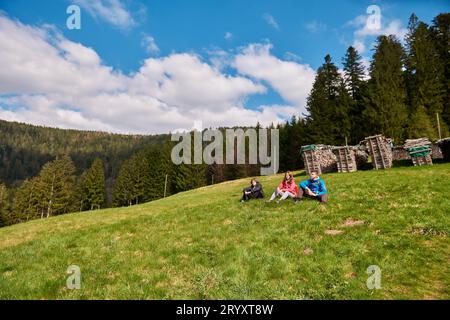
[{"x": 126, "y": 35}]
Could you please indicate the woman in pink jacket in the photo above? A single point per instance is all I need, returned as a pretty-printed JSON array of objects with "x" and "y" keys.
[{"x": 286, "y": 189}]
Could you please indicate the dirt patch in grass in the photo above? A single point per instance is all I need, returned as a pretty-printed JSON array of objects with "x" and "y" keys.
[
  {"x": 332, "y": 232},
  {"x": 350, "y": 223},
  {"x": 426, "y": 231}
]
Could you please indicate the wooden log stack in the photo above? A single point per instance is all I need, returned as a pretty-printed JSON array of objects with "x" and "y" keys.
[
  {"x": 345, "y": 158},
  {"x": 420, "y": 151},
  {"x": 318, "y": 158},
  {"x": 380, "y": 150}
]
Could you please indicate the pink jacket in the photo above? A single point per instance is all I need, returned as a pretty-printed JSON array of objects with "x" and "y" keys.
[{"x": 291, "y": 187}]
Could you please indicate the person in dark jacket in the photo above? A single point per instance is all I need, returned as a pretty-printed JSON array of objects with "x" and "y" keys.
[{"x": 255, "y": 191}]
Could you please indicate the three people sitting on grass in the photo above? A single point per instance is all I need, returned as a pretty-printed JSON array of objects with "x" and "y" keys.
[
  {"x": 286, "y": 189},
  {"x": 313, "y": 188},
  {"x": 255, "y": 191}
]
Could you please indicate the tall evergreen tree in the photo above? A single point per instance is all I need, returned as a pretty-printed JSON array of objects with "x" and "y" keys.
[
  {"x": 94, "y": 185},
  {"x": 420, "y": 124},
  {"x": 27, "y": 205},
  {"x": 354, "y": 72},
  {"x": 133, "y": 181},
  {"x": 354, "y": 75},
  {"x": 327, "y": 105},
  {"x": 386, "y": 110},
  {"x": 4, "y": 205},
  {"x": 55, "y": 187},
  {"x": 440, "y": 32},
  {"x": 424, "y": 73}
]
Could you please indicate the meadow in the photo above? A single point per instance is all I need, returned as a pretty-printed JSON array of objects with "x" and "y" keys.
[{"x": 205, "y": 244}]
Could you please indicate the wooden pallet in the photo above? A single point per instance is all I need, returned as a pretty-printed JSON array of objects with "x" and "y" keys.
[
  {"x": 311, "y": 161},
  {"x": 346, "y": 161},
  {"x": 422, "y": 161},
  {"x": 379, "y": 151}
]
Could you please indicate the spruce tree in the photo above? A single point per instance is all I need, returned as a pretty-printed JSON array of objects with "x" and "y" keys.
[
  {"x": 386, "y": 110},
  {"x": 55, "y": 187},
  {"x": 94, "y": 185},
  {"x": 27, "y": 205},
  {"x": 420, "y": 125},
  {"x": 440, "y": 33},
  {"x": 354, "y": 75},
  {"x": 4, "y": 205},
  {"x": 354, "y": 72},
  {"x": 424, "y": 73},
  {"x": 327, "y": 105}
]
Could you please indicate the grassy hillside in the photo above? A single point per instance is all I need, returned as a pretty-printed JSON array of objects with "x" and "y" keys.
[{"x": 205, "y": 244}]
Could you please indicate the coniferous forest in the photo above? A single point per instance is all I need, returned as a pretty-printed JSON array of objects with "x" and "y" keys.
[{"x": 405, "y": 91}]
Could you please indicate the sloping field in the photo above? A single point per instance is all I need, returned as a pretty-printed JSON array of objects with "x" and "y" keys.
[{"x": 205, "y": 244}]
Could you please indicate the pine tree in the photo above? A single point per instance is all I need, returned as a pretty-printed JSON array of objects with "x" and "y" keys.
[
  {"x": 354, "y": 76},
  {"x": 132, "y": 181},
  {"x": 55, "y": 187},
  {"x": 4, "y": 205},
  {"x": 424, "y": 73},
  {"x": 386, "y": 111},
  {"x": 26, "y": 205},
  {"x": 420, "y": 125},
  {"x": 327, "y": 105},
  {"x": 440, "y": 33},
  {"x": 123, "y": 187},
  {"x": 94, "y": 185},
  {"x": 354, "y": 72}
]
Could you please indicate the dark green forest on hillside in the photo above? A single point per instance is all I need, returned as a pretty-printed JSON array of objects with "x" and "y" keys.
[
  {"x": 403, "y": 94},
  {"x": 24, "y": 149}
]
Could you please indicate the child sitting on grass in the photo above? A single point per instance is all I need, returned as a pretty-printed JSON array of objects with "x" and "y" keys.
[
  {"x": 255, "y": 191},
  {"x": 286, "y": 189},
  {"x": 313, "y": 188}
]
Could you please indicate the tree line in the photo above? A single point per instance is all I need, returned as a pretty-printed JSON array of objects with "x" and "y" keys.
[{"x": 402, "y": 95}]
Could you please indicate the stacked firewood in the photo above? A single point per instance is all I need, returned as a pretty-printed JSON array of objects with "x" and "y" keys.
[
  {"x": 361, "y": 157},
  {"x": 436, "y": 152},
  {"x": 399, "y": 153},
  {"x": 346, "y": 158},
  {"x": 379, "y": 148},
  {"x": 319, "y": 158},
  {"x": 419, "y": 150},
  {"x": 413, "y": 143}
]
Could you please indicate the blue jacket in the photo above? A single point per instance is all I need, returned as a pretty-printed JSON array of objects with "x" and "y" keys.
[{"x": 317, "y": 186}]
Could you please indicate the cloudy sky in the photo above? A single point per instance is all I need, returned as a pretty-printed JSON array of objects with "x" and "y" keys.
[{"x": 161, "y": 65}]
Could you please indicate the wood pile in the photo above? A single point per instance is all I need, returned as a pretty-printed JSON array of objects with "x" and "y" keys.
[
  {"x": 436, "y": 152},
  {"x": 318, "y": 158},
  {"x": 345, "y": 158},
  {"x": 399, "y": 153},
  {"x": 380, "y": 150},
  {"x": 419, "y": 150},
  {"x": 361, "y": 157}
]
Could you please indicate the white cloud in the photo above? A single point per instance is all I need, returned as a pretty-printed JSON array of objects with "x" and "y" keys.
[
  {"x": 359, "y": 45},
  {"x": 228, "y": 36},
  {"x": 49, "y": 80},
  {"x": 149, "y": 43},
  {"x": 290, "y": 56},
  {"x": 315, "y": 26},
  {"x": 293, "y": 81},
  {"x": 365, "y": 30},
  {"x": 271, "y": 20},
  {"x": 111, "y": 11}
]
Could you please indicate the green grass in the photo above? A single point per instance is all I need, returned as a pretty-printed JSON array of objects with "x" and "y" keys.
[{"x": 204, "y": 244}]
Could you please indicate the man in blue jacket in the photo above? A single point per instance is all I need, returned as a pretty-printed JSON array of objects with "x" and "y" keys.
[{"x": 313, "y": 188}]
